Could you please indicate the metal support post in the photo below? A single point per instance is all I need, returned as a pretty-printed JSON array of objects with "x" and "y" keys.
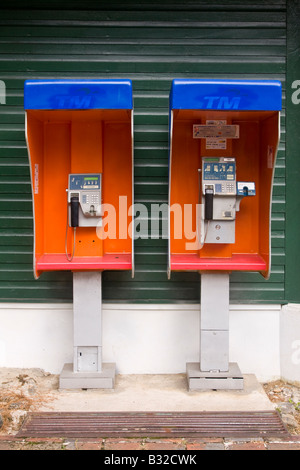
[
  {"x": 214, "y": 370},
  {"x": 87, "y": 370}
]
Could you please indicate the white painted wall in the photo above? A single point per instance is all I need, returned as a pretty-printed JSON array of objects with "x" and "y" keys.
[
  {"x": 140, "y": 339},
  {"x": 290, "y": 342}
]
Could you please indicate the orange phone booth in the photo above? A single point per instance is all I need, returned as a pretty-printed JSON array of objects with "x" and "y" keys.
[
  {"x": 224, "y": 137},
  {"x": 80, "y": 141},
  {"x": 79, "y": 136}
]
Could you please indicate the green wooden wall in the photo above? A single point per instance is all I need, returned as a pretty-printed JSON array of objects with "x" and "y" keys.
[
  {"x": 150, "y": 43},
  {"x": 292, "y": 278}
]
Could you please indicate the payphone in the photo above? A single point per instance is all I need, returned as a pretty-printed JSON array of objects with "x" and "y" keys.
[
  {"x": 84, "y": 204},
  {"x": 221, "y": 197},
  {"x": 224, "y": 138},
  {"x": 79, "y": 135},
  {"x": 84, "y": 200}
]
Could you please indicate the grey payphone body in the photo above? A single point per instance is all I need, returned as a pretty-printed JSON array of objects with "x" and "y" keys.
[
  {"x": 221, "y": 197},
  {"x": 84, "y": 200}
]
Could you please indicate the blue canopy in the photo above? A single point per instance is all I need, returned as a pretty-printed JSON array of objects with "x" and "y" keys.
[
  {"x": 78, "y": 94},
  {"x": 225, "y": 95}
]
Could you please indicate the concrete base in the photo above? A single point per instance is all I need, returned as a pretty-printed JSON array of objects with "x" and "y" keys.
[
  {"x": 88, "y": 380},
  {"x": 198, "y": 380},
  {"x": 157, "y": 392}
]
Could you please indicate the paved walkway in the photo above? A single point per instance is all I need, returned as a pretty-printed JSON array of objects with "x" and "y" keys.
[{"x": 171, "y": 446}]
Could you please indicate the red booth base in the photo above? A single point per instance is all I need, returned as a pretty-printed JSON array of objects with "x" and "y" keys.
[
  {"x": 59, "y": 262},
  {"x": 238, "y": 262}
]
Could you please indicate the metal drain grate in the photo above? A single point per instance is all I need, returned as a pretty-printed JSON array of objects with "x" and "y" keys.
[{"x": 159, "y": 424}]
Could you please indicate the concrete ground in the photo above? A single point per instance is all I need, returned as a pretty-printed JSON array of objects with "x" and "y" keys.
[
  {"x": 138, "y": 393},
  {"x": 159, "y": 393}
]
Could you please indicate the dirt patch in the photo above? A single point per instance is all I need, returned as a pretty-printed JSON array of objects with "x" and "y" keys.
[
  {"x": 21, "y": 391},
  {"x": 286, "y": 398}
]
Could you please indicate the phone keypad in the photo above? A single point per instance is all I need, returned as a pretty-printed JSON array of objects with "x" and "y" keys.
[{"x": 91, "y": 198}]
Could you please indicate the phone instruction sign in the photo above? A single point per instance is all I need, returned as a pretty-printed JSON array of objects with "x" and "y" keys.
[{"x": 216, "y": 133}]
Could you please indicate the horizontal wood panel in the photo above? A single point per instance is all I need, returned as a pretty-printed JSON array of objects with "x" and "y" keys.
[{"x": 150, "y": 43}]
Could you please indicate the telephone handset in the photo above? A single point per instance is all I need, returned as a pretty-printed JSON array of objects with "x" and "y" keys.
[
  {"x": 84, "y": 203},
  {"x": 209, "y": 203},
  {"x": 221, "y": 196},
  {"x": 74, "y": 222}
]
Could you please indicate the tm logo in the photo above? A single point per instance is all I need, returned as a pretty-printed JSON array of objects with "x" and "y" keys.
[
  {"x": 74, "y": 102},
  {"x": 222, "y": 102},
  {"x": 2, "y": 92}
]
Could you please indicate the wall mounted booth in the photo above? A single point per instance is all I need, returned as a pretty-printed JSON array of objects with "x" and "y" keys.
[
  {"x": 224, "y": 137},
  {"x": 79, "y": 127},
  {"x": 79, "y": 136}
]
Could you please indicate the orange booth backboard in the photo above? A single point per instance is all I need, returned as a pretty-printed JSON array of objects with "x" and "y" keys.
[
  {"x": 82, "y": 127},
  {"x": 254, "y": 107}
]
